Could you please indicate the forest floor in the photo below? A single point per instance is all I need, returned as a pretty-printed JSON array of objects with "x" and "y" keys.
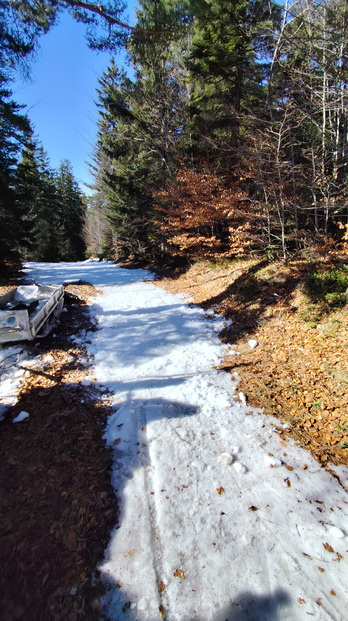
[
  {"x": 57, "y": 506},
  {"x": 298, "y": 370}
]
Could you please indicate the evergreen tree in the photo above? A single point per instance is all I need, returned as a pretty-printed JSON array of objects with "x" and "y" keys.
[
  {"x": 14, "y": 128},
  {"x": 46, "y": 232},
  {"x": 140, "y": 126},
  {"x": 27, "y": 190},
  {"x": 36, "y": 205},
  {"x": 228, "y": 63},
  {"x": 71, "y": 213}
]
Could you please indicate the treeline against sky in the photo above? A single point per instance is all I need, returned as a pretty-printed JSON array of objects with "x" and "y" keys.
[
  {"x": 232, "y": 135},
  {"x": 226, "y": 135},
  {"x": 41, "y": 210}
]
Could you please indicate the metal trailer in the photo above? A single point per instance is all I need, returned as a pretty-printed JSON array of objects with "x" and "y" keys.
[{"x": 28, "y": 312}]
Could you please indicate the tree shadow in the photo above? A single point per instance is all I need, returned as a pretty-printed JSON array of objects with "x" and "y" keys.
[
  {"x": 246, "y": 606},
  {"x": 251, "y": 297},
  {"x": 148, "y": 331},
  {"x": 250, "y": 606},
  {"x": 97, "y": 273},
  {"x": 57, "y": 503}
]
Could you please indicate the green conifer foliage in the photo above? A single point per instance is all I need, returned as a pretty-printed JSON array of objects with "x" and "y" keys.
[{"x": 71, "y": 213}]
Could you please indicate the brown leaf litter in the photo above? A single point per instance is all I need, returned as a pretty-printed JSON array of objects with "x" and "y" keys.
[
  {"x": 297, "y": 371},
  {"x": 57, "y": 506}
]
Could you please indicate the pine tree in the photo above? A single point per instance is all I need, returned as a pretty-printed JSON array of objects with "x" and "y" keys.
[
  {"x": 27, "y": 189},
  {"x": 140, "y": 126},
  {"x": 71, "y": 212},
  {"x": 228, "y": 64},
  {"x": 46, "y": 233},
  {"x": 13, "y": 131}
]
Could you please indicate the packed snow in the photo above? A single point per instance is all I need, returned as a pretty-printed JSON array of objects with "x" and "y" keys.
[{"x": 220, "y": 518}]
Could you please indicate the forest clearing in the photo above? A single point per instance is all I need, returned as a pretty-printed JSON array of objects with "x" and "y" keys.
[{"x": 196, "y": 480}]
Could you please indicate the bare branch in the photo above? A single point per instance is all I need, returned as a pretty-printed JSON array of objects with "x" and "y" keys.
[{"x": 113, "y": 21}]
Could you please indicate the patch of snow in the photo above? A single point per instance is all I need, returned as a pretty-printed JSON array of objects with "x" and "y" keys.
[
  {"x": 226, "y": 459},
  {"x": 272, "y": 461},
  {"x": 252, "y": 343},
  {"x": 242, "y": 397}
]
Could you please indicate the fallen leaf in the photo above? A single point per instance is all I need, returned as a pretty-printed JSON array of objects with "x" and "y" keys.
[
  {"x": 179, "y": 574},
  {"x": 143, "y": 429},
  {"x": 333, "y": 592},
  {"x": 127, "y": 553},
  {"x": 289, "y": 467},
  {"x": 70, "y": 540},
  {"x": 253, "y": 508},
  {"x": 321, "y": 569},
  {"x": 328, "y": 548},
  {"x": 288, "y": 482},
  {"x": 220, "y": 490},
  {"x": 301, "y": 600},
  {"x": 161, "y": 610},
  {"x": 162, "y": 586},
  {"x": 95, "y": 605},
  {"x": 117, "y": 441}
]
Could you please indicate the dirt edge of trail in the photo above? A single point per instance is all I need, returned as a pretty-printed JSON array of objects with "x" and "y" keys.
[{"x": 57, "y": 505}]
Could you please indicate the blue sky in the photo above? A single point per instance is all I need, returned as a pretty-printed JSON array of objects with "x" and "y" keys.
[{"x": 61, "y": 94}]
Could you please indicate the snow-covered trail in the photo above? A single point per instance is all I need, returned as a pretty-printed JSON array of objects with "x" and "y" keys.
[{"x": 220, "y": 518}]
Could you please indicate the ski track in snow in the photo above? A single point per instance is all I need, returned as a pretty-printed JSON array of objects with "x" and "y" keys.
[{"x": 257, "y": 530}]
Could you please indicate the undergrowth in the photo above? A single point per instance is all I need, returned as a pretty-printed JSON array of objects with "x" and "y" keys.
[{"x": 329, "y": 288}]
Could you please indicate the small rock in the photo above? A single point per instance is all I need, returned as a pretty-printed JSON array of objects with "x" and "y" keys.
[{"x": 21, "y": 416}]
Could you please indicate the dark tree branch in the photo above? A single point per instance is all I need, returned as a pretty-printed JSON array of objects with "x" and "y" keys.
[{"x": 112, "y": 21}]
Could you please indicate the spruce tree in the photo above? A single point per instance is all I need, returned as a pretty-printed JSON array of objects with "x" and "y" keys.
[
  {"x": 71, "y": 213},
  {"x": 13, "y": 131}
]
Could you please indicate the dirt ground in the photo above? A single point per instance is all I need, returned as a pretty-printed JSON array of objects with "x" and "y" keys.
[
  {"x": 298, "y": 370},
  {"x": 57, "y": 506}
]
